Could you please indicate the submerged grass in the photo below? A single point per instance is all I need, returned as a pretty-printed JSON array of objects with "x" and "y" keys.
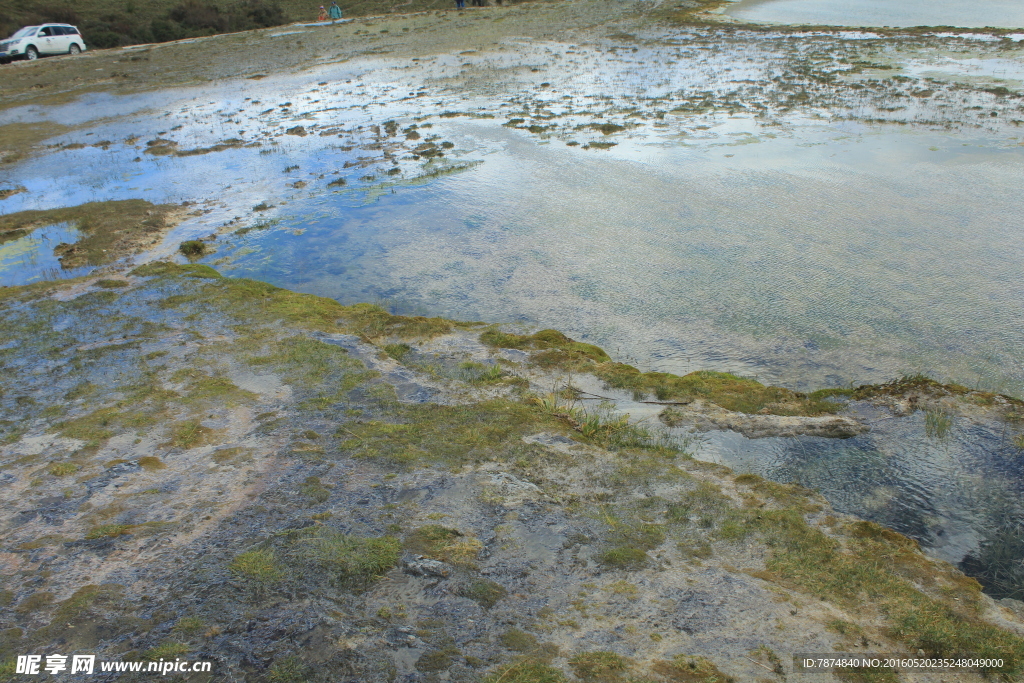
[
  {"x": 729, "y": 391},
  {"x": 566, "y": 351},
  {"x": 311, "y": 362},
  {"x": 921, "y": 604},
  {"x": 258, "y": 302},
  {"x": 110, "y": 229},
  {"x": 922, "y": 385},
  {"x": 725, "y": 389}
]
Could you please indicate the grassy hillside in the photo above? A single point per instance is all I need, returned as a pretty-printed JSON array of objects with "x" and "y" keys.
[{"x": 109, "y": 23}]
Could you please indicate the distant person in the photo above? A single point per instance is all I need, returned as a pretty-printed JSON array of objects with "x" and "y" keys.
[
  {"x": 334, "y": 12},
  {"x": 323, "y": 14},
  {"x": 460, "y": 4}
]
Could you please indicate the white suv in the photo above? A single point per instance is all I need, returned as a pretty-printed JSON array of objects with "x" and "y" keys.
[{"x": 33, "y": 42}]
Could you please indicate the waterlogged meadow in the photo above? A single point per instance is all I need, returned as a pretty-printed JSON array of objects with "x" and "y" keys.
[{"x": 813, "y": 210}]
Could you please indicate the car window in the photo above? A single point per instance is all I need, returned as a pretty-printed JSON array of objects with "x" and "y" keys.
[
  {"x": 26, "y": 32},
  {"x": 71, "y": 31},
  {"x": 45, "y": 31}
]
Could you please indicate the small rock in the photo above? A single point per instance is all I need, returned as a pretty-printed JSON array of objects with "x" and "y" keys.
[{"x": 417, "y": 565}]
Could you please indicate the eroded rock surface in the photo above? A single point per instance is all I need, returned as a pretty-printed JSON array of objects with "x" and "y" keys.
[{"x": 707, "y": 416}]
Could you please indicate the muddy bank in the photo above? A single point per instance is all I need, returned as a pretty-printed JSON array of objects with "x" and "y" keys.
[{"x": 297, "y": 490}]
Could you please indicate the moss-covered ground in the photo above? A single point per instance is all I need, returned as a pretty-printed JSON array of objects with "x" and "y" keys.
[
  {"x": 729, "y": 391},
  {"x": 214, "y": 468}
]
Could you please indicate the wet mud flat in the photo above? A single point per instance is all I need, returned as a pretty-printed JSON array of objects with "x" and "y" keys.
[{"x": 213, "y": 468}]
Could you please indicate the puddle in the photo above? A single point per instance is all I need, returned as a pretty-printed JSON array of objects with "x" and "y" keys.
[
  {"x": 31, "y": 259},
  {"x": 980, "y": 14}
]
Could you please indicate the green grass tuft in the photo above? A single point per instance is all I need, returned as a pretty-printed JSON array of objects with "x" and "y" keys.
[
  {"x": 518, "y": 640},
  {"x": 192, "y": 248},
  {"x": 289, "y": 669},
  {"x": 447, "y": 545},
  {"x": 484, "y": 592},
  {"x": 168, "y": 650},
  {"x": 397, "y": 351},
  {"x": 688, "y": 669},
  {"x": 109, "y": 531},
  {"x": 452, "y": 435},
  {"x": 315, "y": 491},
  {"x": 349, "y": 560},
  {"x": 258, "y": 570},
  {"x": 600, "y": 666},
  {"x": 526, "y": 670},
  {"x": 568, "y": 351},
  {"x": 937, "y": 423},
  {"x": 62, "y": 469}
]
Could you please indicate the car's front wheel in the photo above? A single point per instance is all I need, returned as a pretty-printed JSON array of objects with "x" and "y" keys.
[
  {"x": 31, "y": 53},
  {"x": 74, "y": 49}
]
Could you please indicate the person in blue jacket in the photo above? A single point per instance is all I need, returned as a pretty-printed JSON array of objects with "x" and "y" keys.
[{"x": 334, "y": 12}]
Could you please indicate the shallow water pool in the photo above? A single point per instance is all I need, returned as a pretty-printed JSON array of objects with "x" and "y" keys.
[
  {"x": 981, "y": 13},
  {"x": 30, "y": 258}
]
